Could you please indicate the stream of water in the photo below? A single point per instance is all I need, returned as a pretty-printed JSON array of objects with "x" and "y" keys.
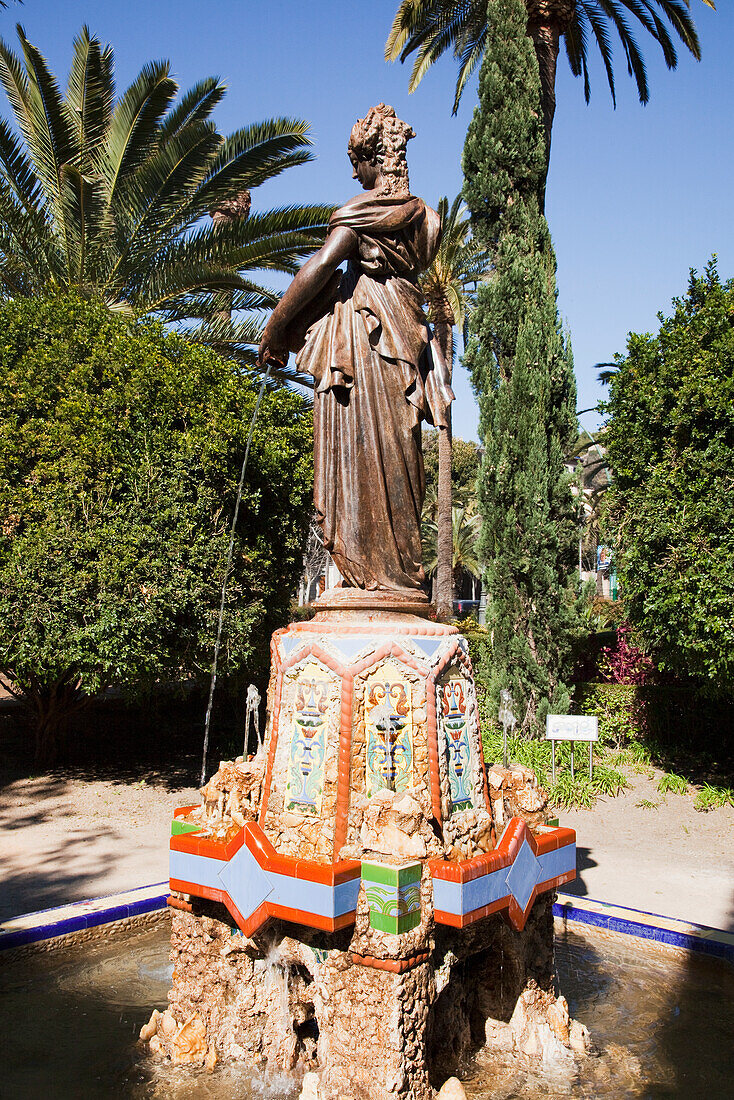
[{"x": 662, "y": 1027}]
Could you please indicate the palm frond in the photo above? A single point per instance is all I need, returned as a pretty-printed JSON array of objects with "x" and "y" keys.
[
  {"x": 251, "y": 156},
  {"x": 55, "y": 142},
  {"x": 250, "y": 297},
  {"x": 471, "y": 56},
  {"x": 152, "y": 197},
  {"x": 133, "y": 131},
  {"x": 30, "y": 239},
  {"x": 196, "y": 105},
  {"x": 90, "y": 94},
  {"x": 678, "y": 15},
  {"x": 15, "y": 83},
  {"x": 601, "y": 35},
  {"x": 635, "y": 62},
  {"x": 239, "y": 341},
  {"x": 274, "y": 240},
  {"x": 576, "y": 43},
  {"x": 83, "y": 202},
  {"x": 18, "y": 169}
]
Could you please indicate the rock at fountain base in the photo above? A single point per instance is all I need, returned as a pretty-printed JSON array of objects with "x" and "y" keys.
[{"x": 451, "y": 1090}]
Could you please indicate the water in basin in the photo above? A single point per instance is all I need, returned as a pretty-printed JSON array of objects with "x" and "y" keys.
[{"x": 662, "y": 1026}]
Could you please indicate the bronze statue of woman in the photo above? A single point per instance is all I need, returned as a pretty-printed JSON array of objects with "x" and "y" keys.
[{"x": 364, "y": 338}]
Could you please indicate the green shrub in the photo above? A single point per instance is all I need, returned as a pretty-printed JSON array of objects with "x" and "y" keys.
[
  {"x": 711, "y": 798},
  {"x": 670, "y": 442},
  {"x": 675, "y": 784},
  {"x": 120, "y": 454}
]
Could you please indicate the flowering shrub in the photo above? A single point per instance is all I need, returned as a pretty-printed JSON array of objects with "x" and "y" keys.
[{"x": 625, "y": 663}]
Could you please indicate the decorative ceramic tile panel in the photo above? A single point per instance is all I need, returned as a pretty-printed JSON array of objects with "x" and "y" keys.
[
  {"x": 389, "y": 728},
  {"x": 393, "y": 894},
  {"x": 312, "y": 699},
  {"x": 452, "y": 707}
]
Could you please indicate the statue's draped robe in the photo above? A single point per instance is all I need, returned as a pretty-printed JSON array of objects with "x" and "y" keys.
[{"x": 377, "y": 374}]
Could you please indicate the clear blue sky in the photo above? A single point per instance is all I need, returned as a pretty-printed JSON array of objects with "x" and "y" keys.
[{"x": 636, "y": 196}]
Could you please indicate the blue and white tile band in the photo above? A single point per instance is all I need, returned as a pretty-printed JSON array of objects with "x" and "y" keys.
[
  {"x": 50, "y": 923},
  {"x": 648, "y": 926},
  {"x": 518, "y": 880}
]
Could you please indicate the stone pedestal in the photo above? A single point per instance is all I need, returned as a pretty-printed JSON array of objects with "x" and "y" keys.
[
  {"x": 346, "y": 900},
  {"x": 362, "y": 702}
]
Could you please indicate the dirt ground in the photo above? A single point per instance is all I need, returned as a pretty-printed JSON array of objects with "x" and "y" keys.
[
  {"x": 65, "y": 839},
  {"x": 670, "y": 860},
  {"x": 66, "y": 836}
]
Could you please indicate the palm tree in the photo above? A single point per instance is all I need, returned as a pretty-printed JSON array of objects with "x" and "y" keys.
[
  {"x": 448, "y": 287},
  {"x": 111, "y": 196},
  {"x": 432, "y": 27},
  {"x": 465, "y": 526}
]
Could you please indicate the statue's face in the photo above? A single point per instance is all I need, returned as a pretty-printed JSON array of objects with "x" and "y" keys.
[{"x": 363, "y": 170}]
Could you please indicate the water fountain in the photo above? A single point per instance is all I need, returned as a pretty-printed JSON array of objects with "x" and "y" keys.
[{"x": 362, "y": 899}]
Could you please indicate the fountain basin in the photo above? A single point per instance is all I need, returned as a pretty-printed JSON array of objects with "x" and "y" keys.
[{"x": 661, "y": 1022}]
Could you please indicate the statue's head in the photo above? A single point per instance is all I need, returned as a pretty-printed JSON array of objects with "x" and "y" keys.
[{"x": 380, "y": 140}]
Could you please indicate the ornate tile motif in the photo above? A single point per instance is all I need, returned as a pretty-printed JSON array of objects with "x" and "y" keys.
[
  {"x": 452, "y": 700},
  {"x": 393, "y": 894},
  {"x": 313, "y": 693},
  {"x": 389, "y": 728}
]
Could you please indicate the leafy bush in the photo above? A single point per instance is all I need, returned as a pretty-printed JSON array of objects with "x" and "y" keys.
[
  {"x": 120, "y": 453},
  {"x": 625, "y": 662},
  {"x": 617, "y": 707},
  {"x": 609, "y": 613},
  {"x": 670, "y": 440}
]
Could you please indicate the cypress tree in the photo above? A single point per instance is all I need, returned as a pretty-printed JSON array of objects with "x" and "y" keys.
[{"x": 522, "y": 372}]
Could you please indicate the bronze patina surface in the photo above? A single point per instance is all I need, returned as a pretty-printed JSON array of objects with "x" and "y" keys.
[{"x": 363, "y": 337}]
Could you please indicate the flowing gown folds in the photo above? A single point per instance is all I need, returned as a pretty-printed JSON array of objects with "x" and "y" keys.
[{"x": 377, "y": 374}]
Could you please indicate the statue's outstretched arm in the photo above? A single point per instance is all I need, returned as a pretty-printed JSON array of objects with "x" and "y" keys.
[{"x": 307, "y": 283}]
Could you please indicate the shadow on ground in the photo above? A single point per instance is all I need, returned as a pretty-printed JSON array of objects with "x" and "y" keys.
[
  {"x": 158, "y": 741},
  {"x": 584, "y": 862}
]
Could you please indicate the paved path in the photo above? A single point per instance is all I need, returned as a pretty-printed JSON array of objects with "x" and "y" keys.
[{"x": 65, "y": 839}]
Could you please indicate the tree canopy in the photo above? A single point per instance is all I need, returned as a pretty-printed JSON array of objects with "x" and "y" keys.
[
  {"x": 115, "y": 196},
  {"x": 465, "y": 458},
  {"x": 670, "y": 440},
  {"x": 430, "y": 28},
  {"x": 120, "y": 453}
]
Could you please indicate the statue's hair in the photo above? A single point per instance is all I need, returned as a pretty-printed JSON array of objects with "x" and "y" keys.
[{"x": 381, "y": 137}]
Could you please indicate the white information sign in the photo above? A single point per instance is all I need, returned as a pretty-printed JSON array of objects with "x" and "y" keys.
[{"x": 571, "y": 727}]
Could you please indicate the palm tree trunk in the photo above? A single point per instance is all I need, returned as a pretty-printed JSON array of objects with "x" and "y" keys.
[
  {"x": 236, "y": 208},
  {"x": 546, "y": 38},
  {"x": 444, "y": 586}
]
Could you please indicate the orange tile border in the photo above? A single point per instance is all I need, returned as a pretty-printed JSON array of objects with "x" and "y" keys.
[
  {"x": 343, "y": 781},
  {"x": 179, "y": 903},
  {"x": 193, "y": 888},
  {"x": 310, "y": 920},
  {"x": 396, "y": 966}
]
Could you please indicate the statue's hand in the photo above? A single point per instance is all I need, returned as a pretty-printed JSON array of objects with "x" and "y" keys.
[{"x": 272, "y": 347}]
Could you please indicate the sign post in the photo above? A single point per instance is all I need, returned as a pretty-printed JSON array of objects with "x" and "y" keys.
[{"x": 572, "y": 727}]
